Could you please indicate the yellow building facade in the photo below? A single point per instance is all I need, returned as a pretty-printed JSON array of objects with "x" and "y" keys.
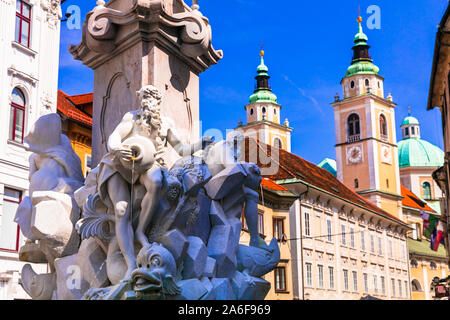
[
  {"x": 273, "y": 222},
  {"x": 76, "y": 116}
]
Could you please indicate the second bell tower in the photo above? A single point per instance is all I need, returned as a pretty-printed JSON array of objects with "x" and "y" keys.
[{"x": 366, "y": 144}]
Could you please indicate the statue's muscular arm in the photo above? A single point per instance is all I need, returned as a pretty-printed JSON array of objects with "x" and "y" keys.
[
  {"x": 186, "y": 149},
  {"x": 121, "y": 132}
]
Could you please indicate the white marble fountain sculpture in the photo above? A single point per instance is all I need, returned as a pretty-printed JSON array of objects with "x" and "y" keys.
[{"x": 145, "y": 231}]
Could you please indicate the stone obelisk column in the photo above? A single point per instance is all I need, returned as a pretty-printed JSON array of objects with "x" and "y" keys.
[{"x": 133, "y": 43}]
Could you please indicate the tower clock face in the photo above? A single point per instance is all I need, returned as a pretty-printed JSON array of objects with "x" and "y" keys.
[
  {"x": 354, "y": 154},
  {"x": 386, "y": 154}
]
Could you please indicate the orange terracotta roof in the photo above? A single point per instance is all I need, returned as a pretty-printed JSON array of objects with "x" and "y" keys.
[
  {"x": 272, "y": 185},
  {"x": 291, "y": 166},
  {"x": 413, "y": 201},
  {"x": 70, "y": 110},
  {"x": 81, "y": 99}
]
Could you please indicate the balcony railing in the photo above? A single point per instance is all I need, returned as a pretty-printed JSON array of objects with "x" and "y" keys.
[{"x": 354, "y": 138}]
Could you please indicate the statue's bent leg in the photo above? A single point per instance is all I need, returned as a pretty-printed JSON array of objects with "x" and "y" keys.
[
  {"x": 251, "y": 216},
  {"x": 120, "y": 196},
  {"x": 152, "y": 180}
]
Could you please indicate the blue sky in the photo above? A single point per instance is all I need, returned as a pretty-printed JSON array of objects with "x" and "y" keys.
[{"x": 308, "y": 49}]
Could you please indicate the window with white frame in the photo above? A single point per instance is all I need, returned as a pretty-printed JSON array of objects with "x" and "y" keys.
[
  {"x": 261, "y": 222},
  {"x": 352, "y": 236},
  {"x": 331, "y": 277},
  {"x": 363, "y": 240},
  {"x": 307, "y": 224},
  {"x": 393, "y": 287},
  {"x": 308, "y": 270},
  {"x": 375, "y": 284},
  {"x": 380, "y": 245},
  {"x": 390, "y": 248},
  {"x": 345, "y": 273},
  {"x": 372, "y": 242},
  {"x": 403, "y": 251},
  {"x": 329, "y": 230},
  {"x": 366, "y": 283},
  {"x": 400, "y": 294},
  {"x": 406, "y": 288},
  {"x": 320, "y": 274},
  {"x": 9, "y": 230},
  {"x": 343, "y": 235},
  {"x": 383, "y": 285},
  {"x": 355, "y": 281}
]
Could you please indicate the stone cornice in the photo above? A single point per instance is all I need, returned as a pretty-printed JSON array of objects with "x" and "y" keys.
[{"x": 108, "y": 32}]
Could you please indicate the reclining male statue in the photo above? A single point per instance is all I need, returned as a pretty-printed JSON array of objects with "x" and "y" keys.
[{"x": 137, "y": 147}]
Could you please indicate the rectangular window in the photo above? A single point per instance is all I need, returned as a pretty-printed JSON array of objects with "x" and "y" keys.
[
  {"x": 400, "y": 294},
  {"x": 403, "y": 251},
  {"x": 352, "y": 237},
  {"x": 363, "y": 240},
  {"x": 23, "y": 23},
  {"x": 366, "y": 283},
  {"x": 390, "y": 248},
  {"x": 372, "y": 242},
  {"x": 375, "y": 284},
  {"x": 343, "y": 238},
  {"x": 261, "y": 222},
  {"x": 9, "y": 230},
  {"x": 329, "y": 231},
  {"x": 88, "y": 165},
  {"x": 278, "y": 228},
  {"x": 309, "y": 274},
  {"x": 346, "y": 288},
  {"x": 280, "y": 279},
  {"x": 331, "y": 276},
  {"x": 383, "y": 286},
  {"x": 307, "y": 226},
  {"x": 355, "y": 281},
  {"x": 393, "y": 287},
  {"x": 406, "y": 288},
  {"x": 320, "y": 273},
  {"x": 380, "y": 246},
  {"x": 16, "y": 122}
]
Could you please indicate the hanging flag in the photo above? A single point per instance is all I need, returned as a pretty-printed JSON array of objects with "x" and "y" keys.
[
  {"x": 429, "y": 224},
  {"x": 436, "y": 236}
]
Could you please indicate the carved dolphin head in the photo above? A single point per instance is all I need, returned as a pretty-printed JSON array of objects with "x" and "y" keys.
[{"x": 155, "y": 274}]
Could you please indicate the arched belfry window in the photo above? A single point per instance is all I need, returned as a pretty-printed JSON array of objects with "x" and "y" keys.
[
  {"x": 426, "y": 191},
  {"x": 367, "y": 82},
  {"x": 277, "y": 143},
  {"x": 17, "y": 116},
  {"x": 354, "y": 129},
  {"x": 383, "y": 126}
]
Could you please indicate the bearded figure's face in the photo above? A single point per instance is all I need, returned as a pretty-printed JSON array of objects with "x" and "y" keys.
[{"x": 151, "y": 100}]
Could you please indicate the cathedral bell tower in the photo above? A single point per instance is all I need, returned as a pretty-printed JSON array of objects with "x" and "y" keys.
[
  {"x": 366, "y": 144},
  {"x": 264, "y": 114}
]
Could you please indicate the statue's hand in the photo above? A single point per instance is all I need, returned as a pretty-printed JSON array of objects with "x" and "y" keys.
[
  {"x": 125, "y": 153},
  {"x": 206, "y": 141}
]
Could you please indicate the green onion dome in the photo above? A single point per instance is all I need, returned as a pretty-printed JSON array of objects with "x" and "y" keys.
[{"x": 362, "y": 62}]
